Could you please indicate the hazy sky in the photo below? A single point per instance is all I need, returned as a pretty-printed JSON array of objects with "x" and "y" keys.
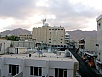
[{"x": 71, "y": 14}]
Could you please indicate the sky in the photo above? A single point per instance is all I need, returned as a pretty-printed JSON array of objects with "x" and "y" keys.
[{"x": 71, "y": 14}]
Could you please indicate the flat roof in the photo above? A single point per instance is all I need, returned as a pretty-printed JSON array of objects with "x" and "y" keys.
[{"x": 44, "y": 56}]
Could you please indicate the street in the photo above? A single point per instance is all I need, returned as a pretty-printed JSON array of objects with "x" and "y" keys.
[{"x": 84, "y": 69}]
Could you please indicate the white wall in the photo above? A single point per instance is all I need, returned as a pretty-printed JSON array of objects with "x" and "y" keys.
[
  {"x": 90, "y": 43},
  {"x": 4, "y": 45},
  {"x": 48, "y": 67}
]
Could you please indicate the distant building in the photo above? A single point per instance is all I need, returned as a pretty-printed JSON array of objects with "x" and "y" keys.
[
  {"x": 27, "y": 44},
  {"x": 55, "y": 36},
  {"x": 67, "y": 38},
  {"x": 99, "y": 43},
  {"x": 33, "y": 65},
  {"x": 4, "y": 44},
  {"x": 25, "y": 37},
  {"x": 81, "y": 46},
  {"x": 50, "y": 35},
  {"x": 88, "y": 44}
]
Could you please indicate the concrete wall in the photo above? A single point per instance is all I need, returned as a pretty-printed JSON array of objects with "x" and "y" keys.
[
  {"x": 99, "y": 41},
  {"x": 48, "y": 67},
  {"x": 28, "y": 44},
  {"x": 4, "y": 44},
  {"x": 90, "y": 43}
]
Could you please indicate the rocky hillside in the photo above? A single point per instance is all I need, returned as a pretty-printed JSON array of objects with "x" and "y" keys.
[
  {"x": 79, "y": 34},
  {"x": 74, "y": 35},
  {"x": 17, "y": 32}
]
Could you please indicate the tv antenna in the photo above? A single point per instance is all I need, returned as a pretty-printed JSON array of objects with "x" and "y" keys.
[{"x": 44, "y": 20}]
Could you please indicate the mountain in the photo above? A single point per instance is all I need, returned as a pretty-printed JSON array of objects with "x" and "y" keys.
[
  {"x": 79, "y": 34},
  {"x": 18, "y": 31},
  {"x": 74, "y": 35}
]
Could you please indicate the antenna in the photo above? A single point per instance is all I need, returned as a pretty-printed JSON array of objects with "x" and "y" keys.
[{"x": 44, "y": 20}]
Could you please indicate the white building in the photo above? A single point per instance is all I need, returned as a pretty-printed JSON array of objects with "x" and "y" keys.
[
  {"x": 90, "y": 44},
  {"x": 33, "y": 65},
  {"x": 99, "y": 43},
  {"x": 67, "y": 38},
  {"x": 28, "y": 44},
  {"x": 4, "y": 44},
  {"x": 17, "y": 50}
]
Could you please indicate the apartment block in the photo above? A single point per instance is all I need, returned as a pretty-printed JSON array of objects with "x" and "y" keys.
[{"x": 51, "y": 35}]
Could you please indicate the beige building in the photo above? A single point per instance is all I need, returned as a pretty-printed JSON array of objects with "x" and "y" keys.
[
  {"x": 51, "y": 35},
  {"x": 25, "y": 37}
]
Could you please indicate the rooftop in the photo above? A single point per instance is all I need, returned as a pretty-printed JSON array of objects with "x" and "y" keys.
[{"x": 44, "y": 56}]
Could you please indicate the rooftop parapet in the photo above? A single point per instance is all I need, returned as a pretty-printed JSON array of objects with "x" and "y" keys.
[{"x": 98, "y": 18}]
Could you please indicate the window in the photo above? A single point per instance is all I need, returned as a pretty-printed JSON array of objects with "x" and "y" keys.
[
  {"x": 36, "y": 71},
  {"x": 49, "y": 29},
  {"x": 13, "y": 69},
  {"x": 99, "y": 24},
  {"x": 60, "y": 72},
  {"x": 49, "y": 42},
  {"x": 50, "y": 32},
  {"x": 49, "y": 39}
]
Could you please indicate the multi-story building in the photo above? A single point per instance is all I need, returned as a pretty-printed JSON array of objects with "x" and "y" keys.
[
  {"x": 25, "y": 37},
  {"x": 50, "y": 35},
  {"x": 99, "y": 43},
  {"x": 81, "y": 46},
  {"x": 35, "y": 65},
  {"x": 67, "y": 38}
]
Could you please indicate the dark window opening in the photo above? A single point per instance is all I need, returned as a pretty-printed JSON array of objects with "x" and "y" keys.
[
  {"x": 31, "y": 70},
  {"x": 36, "y": 71},
  {"x": 13, "y": 69},
  {"x": 60, "y": 72}
]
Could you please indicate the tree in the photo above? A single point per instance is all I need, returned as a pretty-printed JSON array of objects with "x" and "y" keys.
[{"x": 12, "y": 37}]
